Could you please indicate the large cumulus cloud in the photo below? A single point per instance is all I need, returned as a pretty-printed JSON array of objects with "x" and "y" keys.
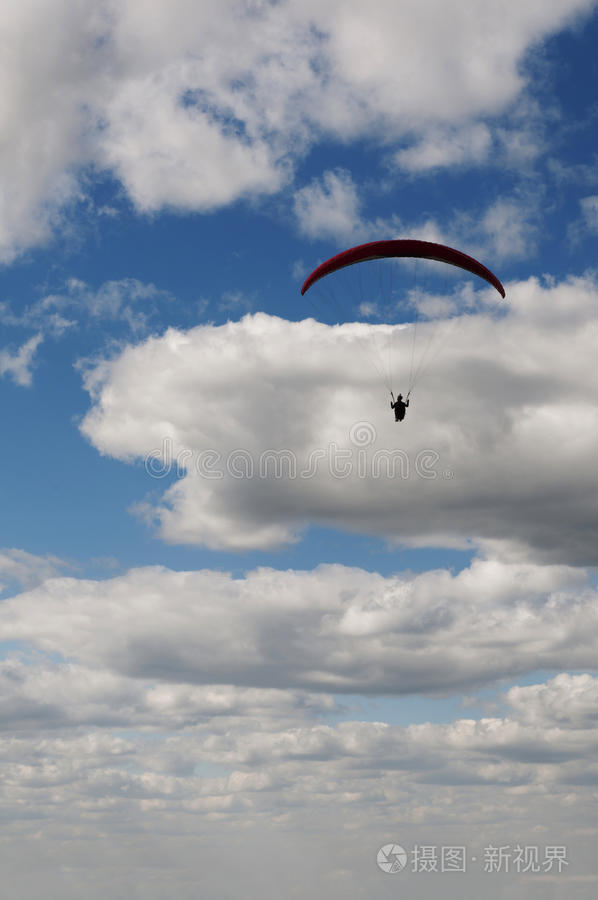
[{"x": 498, "y": 450}]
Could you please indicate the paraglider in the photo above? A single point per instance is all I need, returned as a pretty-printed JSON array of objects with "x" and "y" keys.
[
  {"x": 398, "y": 248},
  {"x": 393, "y": 249},
  {"x": 400, "y": 406}
]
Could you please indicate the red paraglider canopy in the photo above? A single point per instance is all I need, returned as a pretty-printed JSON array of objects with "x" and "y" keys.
[{"x": 421, "y": 249}]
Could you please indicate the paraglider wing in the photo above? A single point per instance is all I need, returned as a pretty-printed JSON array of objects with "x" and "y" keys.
[{"x": 420, "y": 249}]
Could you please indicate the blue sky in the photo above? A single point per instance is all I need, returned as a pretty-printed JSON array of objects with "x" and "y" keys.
[{"x": 259, "y": 663}]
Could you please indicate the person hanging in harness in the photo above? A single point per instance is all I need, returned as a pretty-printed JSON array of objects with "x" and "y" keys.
[{"x": 400, "y": 406}]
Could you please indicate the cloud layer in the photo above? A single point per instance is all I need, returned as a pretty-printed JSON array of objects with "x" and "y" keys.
[
  {"x": 131, "y": 706},
  {"x": 334, "y": 629},
  {"x": 193, "y": 107}
]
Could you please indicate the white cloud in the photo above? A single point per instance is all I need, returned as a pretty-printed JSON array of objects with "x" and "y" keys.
[
  {"x": 118, "y": 721},
  {"x": 567, "y": 701},
  {"x": 329, "y": 207},
  {"x": 38, "y": 693},
  {"x": 127, "y": 300},
  {"x": 182, "y": 156},
  {"x": 447, "y": 147},
  {"x": 490, "y": 426},
  {"x": 334, "y": 629},
  {"x": 589, "y": 209},
  {"x": 44, "y": 97},
  {"x": 19, "y": 363},
  {"x": 195, "y": 106},
  {"x": 508, "y": 228},
  {"x": 26, "y": 569},
  {"x": 514, "y": 143}
]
